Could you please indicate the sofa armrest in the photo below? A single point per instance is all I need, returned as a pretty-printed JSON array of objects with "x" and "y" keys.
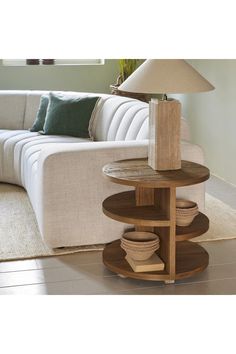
[
  {"x": 70, "y": 189},
  {"x": 69, "y": 170},
  {"x": 106, "y": 151}
]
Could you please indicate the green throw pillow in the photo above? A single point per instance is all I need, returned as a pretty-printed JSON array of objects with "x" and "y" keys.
[
  {"x": 41, "y": 114},
  {"x": 69, "y": 116}
]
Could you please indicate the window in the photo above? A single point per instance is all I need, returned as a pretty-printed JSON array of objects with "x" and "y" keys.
[{"x": 26, "y": 62}]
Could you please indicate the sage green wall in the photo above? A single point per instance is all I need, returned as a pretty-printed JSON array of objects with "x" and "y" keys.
[
  {"x": 87, "y": 78},
  {"x": 212, "y": 116}
]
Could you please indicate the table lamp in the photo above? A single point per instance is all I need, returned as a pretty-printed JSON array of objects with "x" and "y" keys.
[{"x": 164, "y": 76}]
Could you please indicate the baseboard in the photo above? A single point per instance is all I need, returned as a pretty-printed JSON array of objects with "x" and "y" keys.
[{"x": 222, "y": 179}]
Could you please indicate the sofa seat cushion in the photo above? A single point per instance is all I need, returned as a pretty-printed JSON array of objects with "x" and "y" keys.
[{"x": 19, "y": 151}]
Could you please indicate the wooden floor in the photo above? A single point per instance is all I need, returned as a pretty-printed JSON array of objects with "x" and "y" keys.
[{"x": 84, "y": 273}]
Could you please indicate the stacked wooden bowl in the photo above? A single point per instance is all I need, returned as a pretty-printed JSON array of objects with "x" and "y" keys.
[
  {"x": 186, "y": 211},
  {"x": 140, "y": 246}
]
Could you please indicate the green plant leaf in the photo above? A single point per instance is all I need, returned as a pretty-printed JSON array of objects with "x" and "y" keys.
[{"x": 127, "y": 67}]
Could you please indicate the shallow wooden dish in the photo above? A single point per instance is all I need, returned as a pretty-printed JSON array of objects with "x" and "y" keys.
[
  {"x": 185, "y": 204},
  {"x": 140, "y": 236}
]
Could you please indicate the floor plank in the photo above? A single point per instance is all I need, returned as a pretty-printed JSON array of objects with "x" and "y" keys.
[
  {"x": 87, "y": 286},
  {"x": 75, "y": 258},
  {"x": 14, "y": 266},
  {"x": 213, "y": 287},
  {"x": 39, "y": 276}
]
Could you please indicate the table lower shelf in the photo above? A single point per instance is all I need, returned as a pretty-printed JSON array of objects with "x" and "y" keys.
[{"x": 191, "y": 258}]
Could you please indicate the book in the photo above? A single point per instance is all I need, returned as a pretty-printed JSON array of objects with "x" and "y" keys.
[{"x": 154, "y": 263}]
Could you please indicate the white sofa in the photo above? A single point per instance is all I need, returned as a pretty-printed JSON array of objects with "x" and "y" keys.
[{"x": 63, "y": 175}]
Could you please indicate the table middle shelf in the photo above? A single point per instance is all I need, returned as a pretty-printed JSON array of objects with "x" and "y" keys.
[{"x": 122, "y": 207}]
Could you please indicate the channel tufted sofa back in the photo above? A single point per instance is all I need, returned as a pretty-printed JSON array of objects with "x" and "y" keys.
[
  {"x": 120, "y": 118},
  {"x": 116, "y": 118}
]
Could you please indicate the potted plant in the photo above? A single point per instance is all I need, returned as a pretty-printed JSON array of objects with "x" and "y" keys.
[{"x": 126, "y": 68}]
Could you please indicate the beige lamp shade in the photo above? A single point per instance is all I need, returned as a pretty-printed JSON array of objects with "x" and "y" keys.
[{"x": 165, "y": 76}]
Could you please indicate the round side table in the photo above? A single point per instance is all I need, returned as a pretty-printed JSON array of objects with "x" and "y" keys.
[{"x": 152, "y": 207}]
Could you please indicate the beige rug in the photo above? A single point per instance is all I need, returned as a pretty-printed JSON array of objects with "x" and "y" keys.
[
  {"x": 222, "y": 221},
  {"x": 20, "y": 238},
  {"x": 19, "y": 233}
]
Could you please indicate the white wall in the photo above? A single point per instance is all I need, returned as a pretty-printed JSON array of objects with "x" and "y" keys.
[{"x": 212, "y": 116}]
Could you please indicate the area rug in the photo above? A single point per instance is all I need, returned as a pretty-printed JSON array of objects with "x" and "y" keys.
[
  {"x": 19, "y": 233},
  {"x": 20, "y": 238},
  {"x": 222, "y": 221}
]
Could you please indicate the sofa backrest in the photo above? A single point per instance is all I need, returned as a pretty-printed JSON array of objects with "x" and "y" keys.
[
  {"x": 121, "y": 118},
  {"x": 12, "y": 109},
  {"x": 115, "y": 117}
]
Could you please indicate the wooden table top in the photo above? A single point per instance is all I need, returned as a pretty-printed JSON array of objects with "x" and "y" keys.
[{"x": 137, "y": 173}]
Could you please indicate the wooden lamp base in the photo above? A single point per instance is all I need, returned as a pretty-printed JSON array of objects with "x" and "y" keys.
[{"x": 164, "y": 135}]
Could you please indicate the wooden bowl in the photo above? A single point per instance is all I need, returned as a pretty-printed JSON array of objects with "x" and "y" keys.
[
  {"x": 139, "y": 254},
  {"x": 140, "y": 236},
  {"x": 140, "y": 248},
  {"x": 140, "y": 245},
  {"x": 185, "y": 204},
  {"x": 186, "y": 211}
]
